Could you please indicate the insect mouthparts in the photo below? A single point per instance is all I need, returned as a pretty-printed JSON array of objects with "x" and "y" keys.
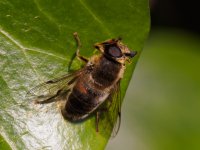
[
  {"x": 96, "y": 46},
  {"x": 131, "y": 54}
]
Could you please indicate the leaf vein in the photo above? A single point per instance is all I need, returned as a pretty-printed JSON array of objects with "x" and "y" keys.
[
  {"x": 22, "y": 48},
  {"x": 46, "y": 53},
  {"x": 97, "y": 19},
  {"x": 49, "y": 17}
]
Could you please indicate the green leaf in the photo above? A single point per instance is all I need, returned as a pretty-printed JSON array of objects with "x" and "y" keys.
[
  {"x": 36, "y": 44},
  {"x": 3, "y": 144}
]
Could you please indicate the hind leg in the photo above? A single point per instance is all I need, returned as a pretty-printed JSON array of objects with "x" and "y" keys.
[{"x": 50, "y": 99}]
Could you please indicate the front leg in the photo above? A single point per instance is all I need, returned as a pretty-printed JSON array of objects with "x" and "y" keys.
[
  {"x": 78, "y": 48},
  {"x": 77, "y": 53}
]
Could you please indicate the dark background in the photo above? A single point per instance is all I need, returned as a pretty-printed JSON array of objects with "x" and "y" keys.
[{"x": 180, "y": 14}]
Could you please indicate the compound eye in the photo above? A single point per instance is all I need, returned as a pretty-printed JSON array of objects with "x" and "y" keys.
[{"x": 114, "y": 51}]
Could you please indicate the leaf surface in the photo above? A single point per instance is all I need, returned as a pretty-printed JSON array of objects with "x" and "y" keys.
[{"x": 36, "y": 44}]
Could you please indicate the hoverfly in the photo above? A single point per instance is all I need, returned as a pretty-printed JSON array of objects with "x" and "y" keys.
[{"x": 86, "y": 91}]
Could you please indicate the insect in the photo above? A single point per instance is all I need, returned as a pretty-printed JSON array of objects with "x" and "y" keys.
[{"x": 92, "y": 89}]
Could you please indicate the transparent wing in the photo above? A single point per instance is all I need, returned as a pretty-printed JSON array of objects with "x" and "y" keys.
[
  {"x": 113, "y": 106},
  {"x": 54, "y": 87},
  {"x": 116, "y": 111}
]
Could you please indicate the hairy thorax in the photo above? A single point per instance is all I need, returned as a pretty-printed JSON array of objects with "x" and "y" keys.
[{"x": 106, "y": 72}]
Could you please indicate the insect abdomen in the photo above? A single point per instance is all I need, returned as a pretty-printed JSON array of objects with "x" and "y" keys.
[{"x": 81, "y": 102}]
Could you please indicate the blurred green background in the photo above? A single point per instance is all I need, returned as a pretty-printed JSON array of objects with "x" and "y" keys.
[{"x": 162, "y": 105}]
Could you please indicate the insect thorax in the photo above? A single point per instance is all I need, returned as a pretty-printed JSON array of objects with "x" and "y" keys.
[{"x": 106, "y": 72}]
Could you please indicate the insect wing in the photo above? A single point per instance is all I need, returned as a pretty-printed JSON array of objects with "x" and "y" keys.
[
  {"x": 117, "y": 102},
  {"x": 114, "y": 109},
  {"x": 53, "y": 87}
]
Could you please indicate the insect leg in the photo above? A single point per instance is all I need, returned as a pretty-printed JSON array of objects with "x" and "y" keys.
[
  {"x": 97, "y": 121},
  {"x": 77, "y": 54},
  {"x": 78, "y": 48},
  {"x": 98, "y": 113},
  {"x": 49, "y": 100}
]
